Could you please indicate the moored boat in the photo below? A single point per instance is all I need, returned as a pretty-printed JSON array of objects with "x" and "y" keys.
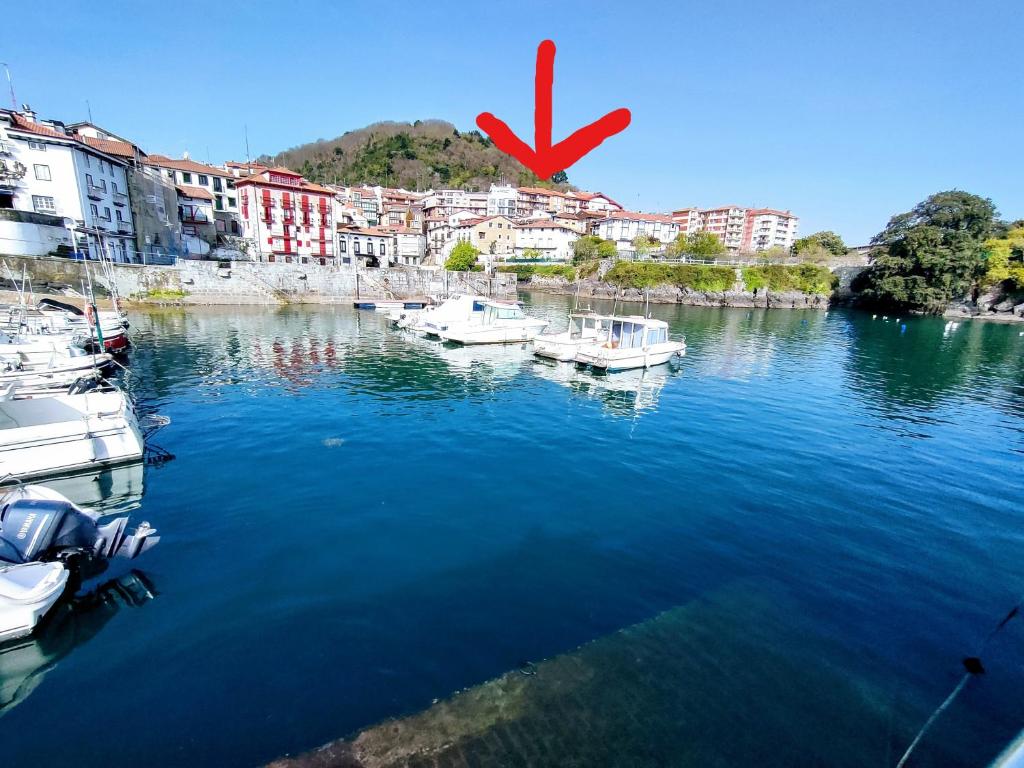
[
  {"x": 584, "y": 327},
  {"x": 501, "y": 322},
  {"x": 631, "y": 341}
]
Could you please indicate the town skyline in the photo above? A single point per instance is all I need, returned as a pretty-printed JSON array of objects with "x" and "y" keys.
[{"x": 754, "y": 112}]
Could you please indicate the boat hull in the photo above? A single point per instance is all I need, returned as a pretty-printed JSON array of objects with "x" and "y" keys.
[
  {"x": 492, "y": 335},
  {"x": 611, "y": 360}
]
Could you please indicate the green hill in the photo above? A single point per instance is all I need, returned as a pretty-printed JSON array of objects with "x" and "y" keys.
[{"x": 421, "y": 155}]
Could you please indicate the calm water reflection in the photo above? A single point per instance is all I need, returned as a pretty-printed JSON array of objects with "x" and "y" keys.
[{"x": 359, "y": 522}]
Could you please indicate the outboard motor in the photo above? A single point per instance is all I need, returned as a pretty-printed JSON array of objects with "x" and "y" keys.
[{"x": 43, "y": 529}]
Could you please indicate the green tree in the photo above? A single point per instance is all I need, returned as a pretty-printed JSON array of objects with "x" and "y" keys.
[
  {"x": 830, "y": 241},
  {"x": 929, "y": 256},
  {"x": 531, "y": 254},
  {"x": 700, "y": 244},
  {"x": 462, "y": 258},
  {"x": 585, "y": 249},
  {"x": 1004, "y": 258},
  {"x": 641, "y": 245},
  {"x": 606, "y": 249},
  {"x": 561, "y": 177}
]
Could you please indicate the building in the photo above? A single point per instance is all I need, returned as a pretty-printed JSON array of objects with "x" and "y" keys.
[
  {"x": 491, "y": 235},
  {"x": 219, "y": 183},
  {"x": 285, "y": 217},
  {"x": 501, "y": 200},
  {"x": 765, "y": 228},
  {"x": 409, "y": 245},
  {"x": 688, "y": 219},
  {"x": 365, "y": 246},
  {"x": 552, "y": 239},
  {"x": 597, "y": 202},
  {"x": 67, "y": 184},
  {"x": 195, "y": 212},
  {"x": 623, "y": 226}
]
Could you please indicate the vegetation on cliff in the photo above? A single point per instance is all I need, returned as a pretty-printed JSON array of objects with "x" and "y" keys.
[
  {"x": 1004, "y": 259},
  {"x": 526, "y": 271},
  {"x": 646, "y": 274},
  {"x": 420, "y": 155},
  {"x": 778, "y": 278}
]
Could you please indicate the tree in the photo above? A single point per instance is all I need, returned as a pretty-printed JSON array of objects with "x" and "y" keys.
[
  {"x": 1004, "y": 258},
  {"x": 641, "y": 245},
  {"x": 830, "y": 241},
  {"x": 584, "y": 249},
  {"x": 929, "y": 256},
  {"x": 606, "y": 249},
  {"x": 462, "y": 257},
  {"x": 701, "y": 244},
  {"x": 561, "y": 177},
  {"x": 532, "y": 254}
]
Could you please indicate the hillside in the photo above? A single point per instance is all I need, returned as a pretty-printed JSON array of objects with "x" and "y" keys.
[{"x": 420, "y": 155}]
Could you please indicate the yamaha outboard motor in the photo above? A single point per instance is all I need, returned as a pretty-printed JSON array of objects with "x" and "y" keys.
[{"x": 33, "y": 529}]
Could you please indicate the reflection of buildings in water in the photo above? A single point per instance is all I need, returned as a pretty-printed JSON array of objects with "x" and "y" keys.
[
  {"x": 24, "y": 662},
  {"x": 114, "y": 490},
  {"x": 625, "y": 392}
]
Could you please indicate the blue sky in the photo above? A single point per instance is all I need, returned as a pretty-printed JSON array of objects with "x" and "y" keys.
[{"x": 843, "y": 112}]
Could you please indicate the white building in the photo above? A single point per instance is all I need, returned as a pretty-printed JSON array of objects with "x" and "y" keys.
[
  {"x": 409, "y": 246},
  {"x": 57, "y": 174},
  {"x": 623, "y": 226},
  {"x": 501, "y": 200},
  {"x": 552, "y": 239},
  {"x": 365, "y": 246},
  {"x": 219, "y": 183},
  {"x": 195, "y": 212},
  {"x": 285, "y": 217},
  {"x": 765, "y": 228},
  {"x": 597, "y": 202}
]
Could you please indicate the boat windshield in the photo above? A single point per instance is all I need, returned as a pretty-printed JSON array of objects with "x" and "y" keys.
[
  {"x": 657, "y": 336},
  {"x": 499, "y": 312},
  {"x": 627, "y": 335}
]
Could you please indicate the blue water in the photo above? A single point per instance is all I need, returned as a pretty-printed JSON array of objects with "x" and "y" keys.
[{"x": 357, "y": 523}]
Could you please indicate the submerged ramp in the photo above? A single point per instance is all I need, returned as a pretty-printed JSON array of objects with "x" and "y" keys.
[{"x": 734, "y": 680}]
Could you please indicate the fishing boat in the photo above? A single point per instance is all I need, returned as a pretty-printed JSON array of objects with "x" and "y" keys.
[
  {"x": 46, "y": 542},
  {"x": 631, "y": 341},
  {"x": 69, "y": 432},
  {"x": 430, "y": 321},
  {"x": 501, "y": 322},
  {"x": 584, "y": 328}
]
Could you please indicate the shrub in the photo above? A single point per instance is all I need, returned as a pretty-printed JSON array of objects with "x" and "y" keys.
[
  {"x": 807, "y": 278},
  {"x": 526, "y": 271},
  {"x": 694, "y": 276},
  {"x": 462, "y": 258}
]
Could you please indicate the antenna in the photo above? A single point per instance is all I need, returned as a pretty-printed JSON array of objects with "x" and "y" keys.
[
  {"x": 88, "y": 108},
  {"x": 249, "y": 164},
  {"x": 10, "y": 84}
]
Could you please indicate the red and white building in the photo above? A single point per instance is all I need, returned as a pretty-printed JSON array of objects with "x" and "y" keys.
[
  {"x": 765, "y": 228},
  {"x": 286, "y": 217},
  {"x": 739, "y": 228}
]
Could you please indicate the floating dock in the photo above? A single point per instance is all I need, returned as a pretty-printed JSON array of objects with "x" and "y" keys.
[{"x": 384, "y": 305}]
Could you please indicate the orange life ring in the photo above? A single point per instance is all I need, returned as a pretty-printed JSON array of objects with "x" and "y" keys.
[{"x": 90, "y": 314}]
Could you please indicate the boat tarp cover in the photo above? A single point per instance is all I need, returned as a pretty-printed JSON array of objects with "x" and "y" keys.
[{"x": 48, "y": 303}]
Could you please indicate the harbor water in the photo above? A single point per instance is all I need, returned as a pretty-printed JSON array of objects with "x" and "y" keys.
[{"x": 775, "y": 551}]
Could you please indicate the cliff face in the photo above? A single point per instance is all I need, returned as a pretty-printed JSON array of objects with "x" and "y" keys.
[{"x": 670, "y": 294}]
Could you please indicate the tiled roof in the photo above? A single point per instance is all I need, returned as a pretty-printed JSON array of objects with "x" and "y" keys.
[
  {"x": 195, "y": 192},
  {"x": 111, "y": 147},
  {"x": 263, "y": 178},
  {"x": 543, "y": 225},
  {"x": 634, "y": 216},
  {"x": 19, "y": 122},
  {"x": 187, "y": 165},
  {"x": 363, "y": 231}
]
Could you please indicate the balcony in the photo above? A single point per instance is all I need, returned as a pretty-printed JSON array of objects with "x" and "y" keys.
[
  {"x": 120, "y": 199},
  {"x": 196, "y": 217},
  {"x": 5, "y": 148},
  {"x": 124, "y": 227}
]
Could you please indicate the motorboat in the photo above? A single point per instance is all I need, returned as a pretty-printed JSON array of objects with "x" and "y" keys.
[
  {"x": 430, "y": 321},
  {"x": 584, "y": 328},
  {"x": 501, "y": 322},
  {"x": 631, "y": 341},
  {"x": 65, "y": 433},
  {"x": 47, "y": 543}
]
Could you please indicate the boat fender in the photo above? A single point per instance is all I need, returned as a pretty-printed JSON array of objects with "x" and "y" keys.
[{"x": 90, "y": 314}]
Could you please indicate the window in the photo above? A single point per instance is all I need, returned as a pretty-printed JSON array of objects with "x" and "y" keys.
[
  {"x": 220, "y": 203},
  {"x": 94, "y": 210},
  {"x": 42, "y": 172},
  {"x": 170, "y": 175},
  {"x": 113, "y": 187},
  {"x": 119, "y": 216},
  {"x": 383, "y": 249},
  {"x": 43, "y": 204},
  {"x": 89, "y": 181},
  {"x": 355, "y": 247},
  {"x": 106, "y": 213},
  {"x": 186, "y": 178},
  {"x": 369, "y": 247},
  {"x": 217, "y": 186},
  {"x": 39, "y": 146},
  {"x": 231, "y": 184},
  {"x": 232, "y": 202},
  {"x": 344, "y": 246},
  {"x": 204, "y": 180}
]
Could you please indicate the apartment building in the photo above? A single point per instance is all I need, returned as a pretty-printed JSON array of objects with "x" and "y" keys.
[
  {"x": 491, "y": 235},
  {"x": 623, "y": 226},
  {"x": 501, "y": 200},
  {"x": 219, "y": 183},
  {"x": 766, "y": 228},
  {"x": 285, "y": 216},
  {"x": 550, "y": 238},
  {"x": 365, "y": 246},
  {"x": 63, "y": 185}
]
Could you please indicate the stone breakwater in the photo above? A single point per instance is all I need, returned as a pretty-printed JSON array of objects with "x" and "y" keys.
[{"x": 671, "y": 294}]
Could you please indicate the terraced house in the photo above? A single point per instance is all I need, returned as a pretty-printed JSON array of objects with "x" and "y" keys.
[{"x": 285, "y": 217}]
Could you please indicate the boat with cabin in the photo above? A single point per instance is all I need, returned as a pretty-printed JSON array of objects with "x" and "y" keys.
[
  {"x": 431, "y": 320},
  {"x": 631, "y": 341},
  {"x": 584, "y": 328},
  {"x": 500, "y": 322}
]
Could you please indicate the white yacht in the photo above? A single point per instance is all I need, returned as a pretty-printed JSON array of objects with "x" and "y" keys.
[
  {"x": 631, "y": 341},
  {"x": 430, "y": 321},
  {"x": 67, "y": 433},
  {"x": 584, "y": 328},
  {"x": 501, "y": 322}
]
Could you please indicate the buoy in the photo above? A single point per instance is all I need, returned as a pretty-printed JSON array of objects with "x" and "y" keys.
[
  {"x": 885, "y": 317},
  {"x": 874, "y": 317},
  {"x": 903, "y": 328}
]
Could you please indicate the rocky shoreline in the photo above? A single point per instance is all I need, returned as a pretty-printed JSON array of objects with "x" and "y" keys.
[{"x": 671, "y": 294}]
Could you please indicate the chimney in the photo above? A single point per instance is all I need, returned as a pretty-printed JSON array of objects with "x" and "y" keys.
[
  {"x": 27, "y": 113},
  {"x": 184, "y": 155}
]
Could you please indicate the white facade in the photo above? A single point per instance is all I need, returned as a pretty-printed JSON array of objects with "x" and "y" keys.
[
  {"x": 409, "y": 246},
  {"x": 766, "y": 228},
  {"x": 501, "y": 200},
  {"x": 623, "y": 226},
  {"x": 66, "y": 178},
  {"x": 220, "y": 183},
  {"x": 553, "y": 240},
  {"x": 286, "y": 217},
  {"x": 367, "y": 247}
]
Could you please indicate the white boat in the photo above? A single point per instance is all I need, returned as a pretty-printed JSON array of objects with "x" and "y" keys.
[
  {"x": 584, "y": 327},
  {"x": 430, "y": 321},
  {"x": 632, "y": 341},
  {"x": 501, "y": 322},
  {"x": 27, "y": 353},
  {"x": 67, "y": 433},
  {"x": 27, "y": 592}
]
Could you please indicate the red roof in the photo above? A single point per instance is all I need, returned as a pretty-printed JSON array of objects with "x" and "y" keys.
[
  {"x": 634, "y": 216},
  {"x": 20, "y": 122},
  {"x": 111, "y": 147},
  {"x": 195, "y": 192},
  {"x": 543, "y": 224},
  {"x": 263, "y": 178},
  {"x": 363, "y": 231},
  {"x": 187, "y": 165}
]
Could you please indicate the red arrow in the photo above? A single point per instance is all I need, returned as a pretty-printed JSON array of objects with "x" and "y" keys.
[{"x": 546, "y": 160}]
